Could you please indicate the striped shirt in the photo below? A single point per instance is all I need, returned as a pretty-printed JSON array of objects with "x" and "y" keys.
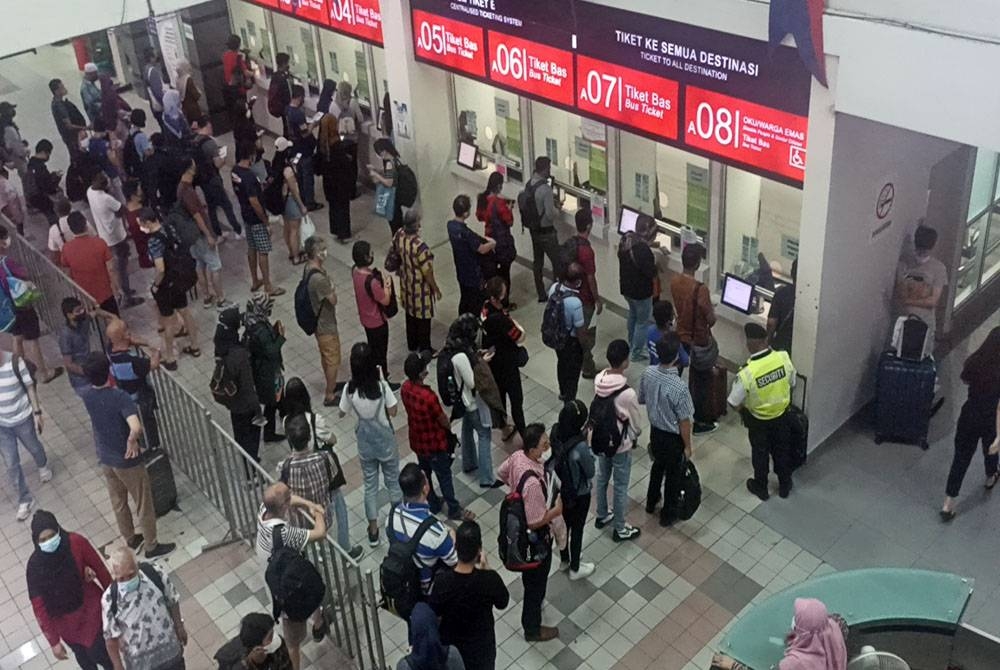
[
  {"x": 293, "y": 537},
  {"x": 436, "y": 549},
  {"x": 666, "y": 397},
  {"x": 15, "y": 406}
]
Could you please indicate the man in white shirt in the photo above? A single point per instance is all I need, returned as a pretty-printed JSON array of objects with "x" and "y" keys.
[
  {"x": 107, "y": 212},
  {"x": 20, "y": 421},
  {"x": 920, "y": 283}
]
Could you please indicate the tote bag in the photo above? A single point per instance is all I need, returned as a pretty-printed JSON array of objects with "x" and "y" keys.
[{"x": 385, "y": 201}]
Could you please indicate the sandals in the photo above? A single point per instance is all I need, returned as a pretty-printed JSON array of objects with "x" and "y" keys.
[
  {"x": 56, "y": 372},
  {"x": 318, "y": 633},
  {"x": 275, "y": 292},
  {"x": 195, "y": 352},
  {"x": 169, "y": 365},
  {"x": 256, "y": 287},
  {"x": 298, "y": 259},
  {"x": 509, "y": 433}
]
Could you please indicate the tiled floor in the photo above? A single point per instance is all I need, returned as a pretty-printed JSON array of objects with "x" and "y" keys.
[{"x": 661, "y": 602}]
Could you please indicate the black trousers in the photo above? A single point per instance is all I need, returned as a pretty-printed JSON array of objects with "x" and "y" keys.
[
  {"x": 543, "y": 243},
  {"x": 503, "y": 271},
  {"x": 535, "y": 582},
  {"x": 700, "y": 385},
  {"x": 270, "y": 412},
  {"x": 771, "y": 439},
  {"x": 569, "y": 363},
  {"x": 667, "y": 453},
  {"x": 338, "y": 200},
  {"x": 471, "y": 300},
  {"x": 575, "y": 516},
  {"x": 150, "y": 428},
  {"x": 508, "y": 379},
  {"x": 418, "y": 334},
  {"x": 89, "y": 658},
  {"x": 247, "y": 435},
  {"x": 976, "y": 425},
  {"x": 378, "y": 340}
]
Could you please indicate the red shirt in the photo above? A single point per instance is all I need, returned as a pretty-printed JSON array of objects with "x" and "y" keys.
[
  {"x": 503, "y": 212},
  {"x": 585, "y": 257},
  {"x": 87, "y": 260},
  {"x": 423, "y": 412},
  {"x": 369, "y": 309},
  {"x": 230, "y": 61},
  {"x": 84, "y": 625}
]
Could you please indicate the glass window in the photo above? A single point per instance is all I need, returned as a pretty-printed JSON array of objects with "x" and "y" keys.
[
  {"x": 578, "y": 148},
  {"x": 971, "y": 261},
  {"x": 991, "y": 267},
  {"x": 490, "y": 118},
  {"x": 381, "y": 77},
  {"x": 670, "y": 184},
  {"x": 762, "y": 217},
  {"x": 296, "y": 39},
  {"x": 249, "y": 23},
  {"x": 345, "y": 59},
  {"x": 983, "y": 182}
]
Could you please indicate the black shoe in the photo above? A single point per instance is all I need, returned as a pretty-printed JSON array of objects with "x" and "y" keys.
[
  {"x": 393, "y": 386},
  {"x": 625, "y": 534},
  {"x": 600, "y": 522},
  {"x": 588, "y": 374},
  {"x": 542, "y": 299},
  {"x": 161, "y": 549},
  {"x": 373, "y": 538},
  {"x": 356, "y": 552},
  {"x": 947, "y": 515},
  {"x": 783, "y": 491},
  {"x": 495, "y": 485},
  {"x": 470, "y": 470},
  {"x": 704, "y": 428},
  {"x": 651, "y": 508},
  {"x": 312, "y": 207},
  {"x": 666, "y": 521},
  {"x": 133, "y": 302},
  {"x": 135, "y": 542},
  {"x": 759, "y": 491},
  {"x": 456, "y": 515},
  {"x": 274, "y": 437},
  {"x": 320, "y": 632}
]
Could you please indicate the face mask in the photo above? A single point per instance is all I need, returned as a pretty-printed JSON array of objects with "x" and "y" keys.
[
  {"x": 323, "y": 254},
  {"x": 130, "y": 585},
  {"x": 546, "y": 455},
  {"x": 275, "y": 644},
  {"x": 51, "y": 544},
  {"x": 85, "y": 143},
  {"x": 923, "y": 258}
]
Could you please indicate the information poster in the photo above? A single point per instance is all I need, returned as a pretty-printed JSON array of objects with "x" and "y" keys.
[
  {"x": 361, "y": 65},
  {"x": 697, "y": 197},
  {"x": 598, "y": 169},
  {"x": 514, "y": 147}
]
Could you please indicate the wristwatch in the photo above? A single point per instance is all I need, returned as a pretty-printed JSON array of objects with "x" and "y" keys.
[{"x": 38, "y": 412}]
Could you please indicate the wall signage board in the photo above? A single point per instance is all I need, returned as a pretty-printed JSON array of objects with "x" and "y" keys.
[
  {"x": 456, "y": 45},
  {"x": 723, "y": 96},
  {"x": 355, "y": 18}
]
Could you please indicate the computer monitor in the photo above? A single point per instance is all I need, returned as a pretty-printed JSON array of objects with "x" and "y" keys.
[
  {"x": 627, "y": 219},
  {"x": 468, "y": 155},
  {"x": 737, "y": 294}
]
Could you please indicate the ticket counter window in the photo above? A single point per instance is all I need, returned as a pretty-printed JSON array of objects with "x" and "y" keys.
[
  {"x": 250, "y": 24},
  {"x": 490, "y": 119},
  {"x": 670, "y": 184},
  {"x": 578, "y": 150},
  {"x": 761, "y": 228},
  {"x": 295, "y": 38}
]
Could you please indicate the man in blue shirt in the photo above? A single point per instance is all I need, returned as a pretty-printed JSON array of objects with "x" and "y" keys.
[
  {"x": 569, "y": 359},
  {"x": 436, "y": 548},
  {"x": 467, "y": 247},
  {"x": 671, "y": 411},
  {"x": 663, "y": 318}
]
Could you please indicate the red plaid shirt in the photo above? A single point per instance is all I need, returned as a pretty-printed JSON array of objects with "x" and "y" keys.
[{"x": 423, "y": 412}]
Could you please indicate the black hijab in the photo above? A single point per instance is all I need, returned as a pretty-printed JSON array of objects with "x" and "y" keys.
[
  {"x": 55, "y": 577},
  {"x": 227, "y": 333}
]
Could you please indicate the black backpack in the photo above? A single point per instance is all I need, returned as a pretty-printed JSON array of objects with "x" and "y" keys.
[
  {"x": 521, "y": 549},
  {"x": 180, "y": 266},
  {"x": 406, "y": 185},
  {"x": 223, "y": 385},
  {"x": 399, "y": 576},
  {"x": 206, "y": 167},
  {"x": 182, "y": 225},
  {"x": 569, "y": 252},
  {"x": 605, "y": 436},
  {"x": 130, "y": 156},
  {"x": 689, "y": 498},
  {"x": 272, "y": 195},
  {"x": 390, "y": 310},
  {"x": 307, "y": 319},
  {"x": 554, "y": 330},
  {"x": 449, "y": 383},
  {"x": 151, "y": 574},
  {"x": 563, "y": 468},
  {"x": 297, "y": 589},
  {"x": 531, "y": 218}
]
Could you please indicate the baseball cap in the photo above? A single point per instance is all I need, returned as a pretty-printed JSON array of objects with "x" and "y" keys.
[
  {"x": 90, "y": 68},
  {"x": 282, "y": 144}
]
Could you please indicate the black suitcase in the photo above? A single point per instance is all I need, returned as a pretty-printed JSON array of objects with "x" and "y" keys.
[
  {"x": 904, "y": 399},
  {"x": 798, "y": 423},
  {"x": 161, "y": 481}
]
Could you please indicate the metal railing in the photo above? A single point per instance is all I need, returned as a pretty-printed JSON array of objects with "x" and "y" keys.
[{"x": 229, "y": 477}]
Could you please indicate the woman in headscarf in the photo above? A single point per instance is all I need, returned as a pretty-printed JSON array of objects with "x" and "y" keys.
[
  {"x": 112, "y": 106},
  {"x": 264, "y": 342},
  {"x": 10, "y": 138},
  {"x": 238, "y": 383},
  {"x": 338, "y": 170},
  {"x": 175, "y": 123},
  {"x": 816, "y": 641},
  {"x": 350, "y": 119},
  {"x": 190, "y": 95},
  {"x": 426, "y": 650},
  {"x": 66, "y": 578}
]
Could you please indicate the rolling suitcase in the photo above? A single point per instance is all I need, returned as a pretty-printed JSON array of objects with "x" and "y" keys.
[
  {"x": 161, "y": 480},
  {"x": 904, "y": 399},
  {"x": 718, "y": 393}
]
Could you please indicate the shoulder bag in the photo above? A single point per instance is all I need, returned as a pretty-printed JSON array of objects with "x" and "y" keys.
[{"x": 703, "y": 358}]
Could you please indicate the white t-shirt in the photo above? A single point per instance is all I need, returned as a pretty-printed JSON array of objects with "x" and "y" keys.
[
  {"x": 922, "y": 279},
  {"x": 104, "y": 208},
  {"x": 369, "y": 409},
  {"x": 57, "y": 240}
]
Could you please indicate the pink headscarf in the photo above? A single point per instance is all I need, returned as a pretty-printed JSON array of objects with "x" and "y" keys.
[{"x": 816, "y": 642}]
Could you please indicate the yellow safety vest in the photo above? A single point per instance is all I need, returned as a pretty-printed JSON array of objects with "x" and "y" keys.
[{"x": 767, "y": 381}]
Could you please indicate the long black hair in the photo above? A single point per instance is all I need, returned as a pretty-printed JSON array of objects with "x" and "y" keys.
[
  {"x": 364, "y": 372},
  {"x": 493, "y": 186},
  {"x": 295, "y": 399},
  {"x": 982, "y": 367},
  {"x": 326, "y": 95}
]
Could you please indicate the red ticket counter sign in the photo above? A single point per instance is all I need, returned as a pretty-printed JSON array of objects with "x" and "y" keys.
[
  {"x": 529, "y": 67},
  {"x": 313, "y": 11},
  {"x": 357, "y": 18},
  {"x": 452, "y": 44},
  {"x": 627, "y": 97},
  {"x": 762, "y": 137}
]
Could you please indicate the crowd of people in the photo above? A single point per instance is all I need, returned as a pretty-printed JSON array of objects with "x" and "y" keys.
[{"x": 159, "y": 195}]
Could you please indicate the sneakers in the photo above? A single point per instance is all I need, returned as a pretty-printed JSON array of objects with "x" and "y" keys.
[
  {"x": 135, "y": 542},
  {"x": 45, "y": 474},
  {"x": 544, "y": 634},
  {"x": 24, "y": 509},
  {"x": 705, "y": 428},
  {"x": 224, "y": 304},
  {"x": 625, "y": 534},
  {"x": 586, "y": 570},
  {"x": 373, "y": 538},
  {"x": 495, "y": 485},
  {"x": 601, "y": 522},
  {"x": 208, "y": 302},
  {"x": 356, "y": 552},
  {"x": 783, "y": 491},
  {"x": 161, "y": 549},
  {"x": 759, "y": 491},
  {"x": 259, "y": 420}
]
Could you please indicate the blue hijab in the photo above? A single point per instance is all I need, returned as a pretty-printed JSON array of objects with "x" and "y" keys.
[{"x": 427, "y": 651}]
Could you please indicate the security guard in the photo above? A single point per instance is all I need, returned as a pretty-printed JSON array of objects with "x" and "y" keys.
[{"x": 762, "y": 392}]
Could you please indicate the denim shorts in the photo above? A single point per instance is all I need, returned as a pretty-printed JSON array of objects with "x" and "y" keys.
[
  {"x": 206, "y": 257},
  {"x": 292, "y": 210}
]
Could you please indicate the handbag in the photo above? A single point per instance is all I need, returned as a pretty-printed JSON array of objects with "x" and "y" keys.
[
  {"x": 307, "y": 228},
  {"x": 22, "y": 292},
  {"x": 521, "y": 356},
  {"x": 393, "y": 259},
  {"x": 703, "y": 357},
  {"x": 385, "y": 201},
  {"x": 336, "y": 479}
]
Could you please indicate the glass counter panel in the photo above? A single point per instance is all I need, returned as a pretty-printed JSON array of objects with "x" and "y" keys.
[
  {"x": 489, "y": 118},
  {"x": 345, "y": 59},
  {"x": 971, "y": 260},
  {"x": 250, "y": 24},
  {"x": 983, "y": 182},
  {"x": 381, "y": 76},
  {"x": 295, "y": 38},
  {"x": 577, "y": 147},
  {"x": 991, "y": 268},
  {"x": 761, "y": 217}
]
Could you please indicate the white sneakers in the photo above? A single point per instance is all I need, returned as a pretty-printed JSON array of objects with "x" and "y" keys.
[
  {"x": 586, "y": 570},
  {"x": 45, "y": 474},
  {"x": 24, "y": 509}
]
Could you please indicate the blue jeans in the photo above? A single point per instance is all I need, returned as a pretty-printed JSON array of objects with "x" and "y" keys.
[
  {"x": 377, "y": 450},
  {"x": 440, "y": 465},
  {"x": 639, "y": 312},
  {"x": 338, "y": 507},
  {"x": 24, "y": 433},
  {"x": 215, "y": 197},
  {"x": 478, "y": 421},
  {"x": 617, "y": 468}
]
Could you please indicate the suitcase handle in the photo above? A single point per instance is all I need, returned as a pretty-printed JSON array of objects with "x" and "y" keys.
[{"x": 801, "y": 382}]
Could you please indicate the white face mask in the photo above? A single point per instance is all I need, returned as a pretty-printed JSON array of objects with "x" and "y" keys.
[
  {"x": 921, "y": 258},
  {"x": 546, "y": 455},
  {"x": 275, "y": 644}
]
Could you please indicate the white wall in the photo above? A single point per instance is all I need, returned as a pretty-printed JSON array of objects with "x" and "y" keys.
[{"x": 858, "y": 273}]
